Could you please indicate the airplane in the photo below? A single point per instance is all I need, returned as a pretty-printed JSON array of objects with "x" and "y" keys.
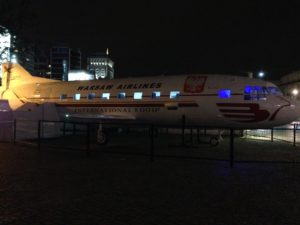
[{"x": 203, "y": 100}]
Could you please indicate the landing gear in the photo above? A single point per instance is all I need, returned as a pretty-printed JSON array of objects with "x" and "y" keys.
[
  {"x": 214, "y": 141},
  {"x": 102, "y": 137}
]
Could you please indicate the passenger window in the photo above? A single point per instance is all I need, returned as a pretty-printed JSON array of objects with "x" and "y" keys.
[
  {"x": 174, "y": 94},
  {"x": 105, "y": 96},
  {"x": 156, "y": 94},
  {"x": 122, "y": 95},
  {"x": 77, "y": 97},
  {"x": 224, "y": 93},
  {"x": 63, "y": 96},
  {"x": 138, "y": 95},
  {"x": 91, "y": 96}
]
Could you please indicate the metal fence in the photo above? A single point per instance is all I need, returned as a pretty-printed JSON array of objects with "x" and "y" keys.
[{"x": 259, "y": 145}]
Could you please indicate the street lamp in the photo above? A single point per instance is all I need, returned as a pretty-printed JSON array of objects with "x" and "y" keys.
[
  {"x": 261, "y": 74},
  {"x": 295, "y": 92}
]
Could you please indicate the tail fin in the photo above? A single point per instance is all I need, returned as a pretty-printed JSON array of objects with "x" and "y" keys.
[{"x": 14, "y": 74}]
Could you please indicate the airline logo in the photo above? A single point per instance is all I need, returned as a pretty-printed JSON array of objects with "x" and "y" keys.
[
  {"x": 243, "y": 112},
  {"x": 194, "y": 84}
]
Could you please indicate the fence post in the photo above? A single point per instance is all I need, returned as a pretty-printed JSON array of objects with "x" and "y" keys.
[
  {"x": 152, "y": 143},
  {"x": 272, "y": 134},
  {"x": 231, "y": 147},
  {"x": 182, "y": 130},
  {"x": 15, "y": 131},
  {"x": 64, "y": 128},
  {"x": 295, "y": 127},
  {"x": 88, "y": 139},
  {"x": 74, "y": 128},
  {"x": 39, "y": 135}
]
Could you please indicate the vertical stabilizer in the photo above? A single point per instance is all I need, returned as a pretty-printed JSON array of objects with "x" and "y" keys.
[{"x": 13, "y": 75}]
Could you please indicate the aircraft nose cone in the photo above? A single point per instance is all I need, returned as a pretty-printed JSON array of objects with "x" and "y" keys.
[{"x": 288, "y": 113}]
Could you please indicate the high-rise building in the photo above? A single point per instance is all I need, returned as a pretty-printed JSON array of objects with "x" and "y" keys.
[
  {"x": 5, "y": 45},
  {"x": 100, "y": 65},
  {"x": 63, "y": 59},
  {"x": 42, "y": 62},
  {"x": 25, "y": 56}
]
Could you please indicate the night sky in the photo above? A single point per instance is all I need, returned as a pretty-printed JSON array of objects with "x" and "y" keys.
[{"x": 175, "y": 37}]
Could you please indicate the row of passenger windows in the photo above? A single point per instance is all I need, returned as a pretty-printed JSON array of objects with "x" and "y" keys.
[
  {"x": 122, "y": 95},
  {"x": 250, "y": 93}
]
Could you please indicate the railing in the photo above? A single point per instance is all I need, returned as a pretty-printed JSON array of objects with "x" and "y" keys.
[{"x": 82, "y": 136}]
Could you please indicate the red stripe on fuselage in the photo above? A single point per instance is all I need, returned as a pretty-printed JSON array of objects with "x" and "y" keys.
[{"x": 180, "y": 104}]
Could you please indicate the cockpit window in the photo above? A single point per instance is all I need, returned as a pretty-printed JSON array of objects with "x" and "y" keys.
[
  {"x": 255, "y": 93},
  {"x": 260, "y": 92},
  {"x": 274, "y": 91}
]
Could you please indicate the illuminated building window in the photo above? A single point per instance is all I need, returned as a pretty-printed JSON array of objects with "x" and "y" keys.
[
  {"x": 91, "y": 96},
  {"x": 174, "y": 94},
  {"x": 122, "y": 95},
  {"x": 138, "y": 95},
  {"x": 224, "y": 93},
  {"x": 63, "y": 96},
  {"x": 105, "y": 96},
  {"x": 156, "y": 94},
  {"x": 77, "y": 97}
]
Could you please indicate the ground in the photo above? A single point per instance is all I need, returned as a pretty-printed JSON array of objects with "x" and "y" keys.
[{"x": 61, "y": 186}]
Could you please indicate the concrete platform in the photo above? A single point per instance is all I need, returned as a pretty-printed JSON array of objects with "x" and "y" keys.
[{"x": 58, "y": 186}]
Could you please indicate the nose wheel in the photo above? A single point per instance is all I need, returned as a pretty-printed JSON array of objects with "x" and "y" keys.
[{"x": 214, "y": 141}]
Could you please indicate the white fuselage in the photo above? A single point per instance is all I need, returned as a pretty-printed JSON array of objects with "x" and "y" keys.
[{"x": 203, "y": 100}]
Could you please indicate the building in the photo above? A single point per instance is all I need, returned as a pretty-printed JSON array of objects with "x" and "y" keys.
[
  {"x": 290, "y": 84},
  {"x": 42, "y": 62},
  {"x": 100, "y": 65},
  {"x": 5, "y": 45},
  {"x": 79, "y": 75},
  {"x": 62, "y": 60},
  {"x": 25, "y": 56}
]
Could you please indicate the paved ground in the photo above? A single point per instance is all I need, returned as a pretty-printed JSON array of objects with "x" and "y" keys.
[{"x": 58, "y": 186}]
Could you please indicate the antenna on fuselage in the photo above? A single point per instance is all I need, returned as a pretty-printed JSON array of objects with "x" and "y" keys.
[{"x": 249, "y": 73}]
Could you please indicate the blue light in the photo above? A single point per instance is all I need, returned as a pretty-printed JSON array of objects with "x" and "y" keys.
[
  {"x": 224, "y": 93},
  {"x": 248, "y": 89},
  {"x": 122, "y": 95}
]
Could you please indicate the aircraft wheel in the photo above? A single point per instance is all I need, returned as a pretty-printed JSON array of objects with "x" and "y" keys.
[
  {"x": 214, "y": 141},
  {"x": 102, "y": 138}
]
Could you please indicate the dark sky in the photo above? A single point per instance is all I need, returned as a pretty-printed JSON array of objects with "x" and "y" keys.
[{"x": 173, "y": 37}]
